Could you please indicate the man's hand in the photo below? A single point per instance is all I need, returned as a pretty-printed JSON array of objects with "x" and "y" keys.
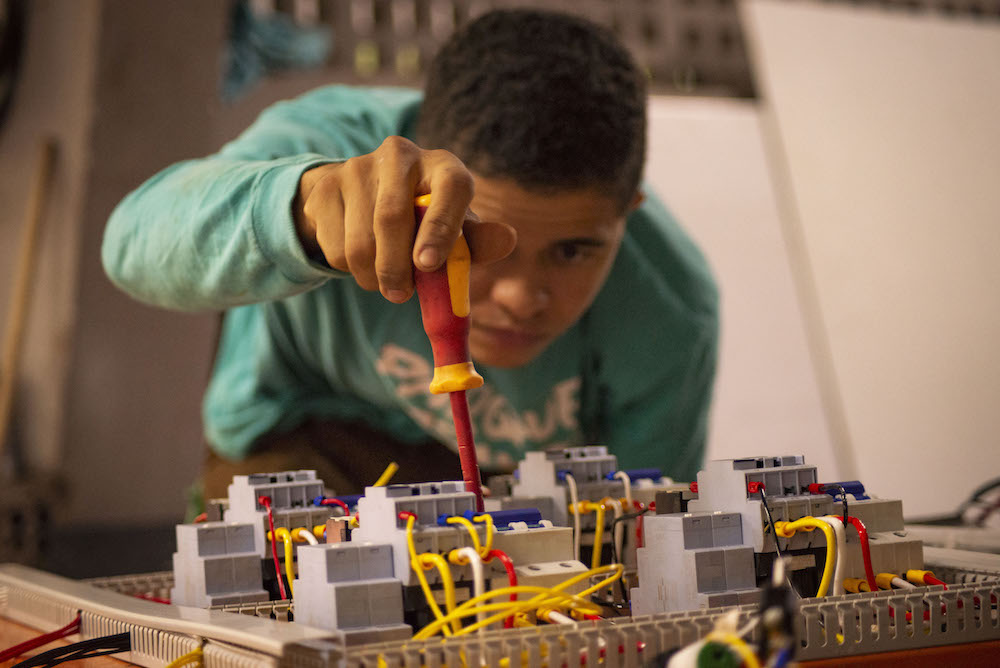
[{"x": 359, "y": 215}]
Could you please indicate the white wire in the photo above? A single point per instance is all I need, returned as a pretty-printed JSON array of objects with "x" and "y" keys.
[
  {"x": 903, "y": 584},
  {"x": 574, "y": 502},
  {"x": 619, "y": 534},
  {"x": 627, "y": 482},
  {"x": 478, "y": 579},
  {"x": 305, "y": 533},
  {"x": 838, "y": 570}
]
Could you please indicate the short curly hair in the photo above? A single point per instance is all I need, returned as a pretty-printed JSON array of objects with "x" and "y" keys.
[{"x": 548, "y": 100}]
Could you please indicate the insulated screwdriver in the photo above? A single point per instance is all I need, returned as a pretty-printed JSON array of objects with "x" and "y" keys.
[{"x": 444, "y": 310}]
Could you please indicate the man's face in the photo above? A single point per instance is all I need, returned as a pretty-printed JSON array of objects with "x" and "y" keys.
[{"x": 566, "y": 243}]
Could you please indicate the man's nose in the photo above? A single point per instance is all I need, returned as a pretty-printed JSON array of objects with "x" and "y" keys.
[{"x": 521, "y": 297}]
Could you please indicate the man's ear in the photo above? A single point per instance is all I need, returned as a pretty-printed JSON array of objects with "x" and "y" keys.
[{"x": 636, "y": 201}]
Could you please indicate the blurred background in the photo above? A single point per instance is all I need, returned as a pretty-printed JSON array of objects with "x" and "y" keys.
[{"x": 838, "y": 162}]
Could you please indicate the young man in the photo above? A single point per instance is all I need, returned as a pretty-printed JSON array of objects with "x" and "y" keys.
[{"x": 598, "y": 326}]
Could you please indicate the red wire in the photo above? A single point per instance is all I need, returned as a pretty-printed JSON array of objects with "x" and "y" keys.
[
  {"x": 508, "y": 566},
  {"x": 45, "y": 639},
  {"x": 931, "y": 580},
  {"x": 154, "y": 599},
  {"x": 337, "y": 502},
  {"x": 638, "y": 523},
  {"x": 866, "y": 554},
  {"x": 266, "y": 502}
]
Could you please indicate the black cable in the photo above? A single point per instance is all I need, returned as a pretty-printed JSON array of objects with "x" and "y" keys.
[
  {"x": 770, "y": 522},
  {"x": 614, "y": 549},
  {"x": 85, "y": 649},
  {"x": 843, "y": 497}
]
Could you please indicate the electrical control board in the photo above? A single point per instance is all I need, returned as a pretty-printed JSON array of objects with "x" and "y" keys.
[{"x": 571, "y": 561}]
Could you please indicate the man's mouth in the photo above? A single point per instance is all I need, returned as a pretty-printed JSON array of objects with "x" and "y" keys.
[{"x": 508, "y": 336}]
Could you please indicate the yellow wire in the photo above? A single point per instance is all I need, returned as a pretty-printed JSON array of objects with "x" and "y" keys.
[
  {"x": 387, "y": 474},
  {"x": 283, "y": 534},
  {"x": 417, "y": 567},
  {"x": 476, "y": 545},
  {"x": 598, "y": 509},
  {"x": 546, "y": 597},
  {"x": 787, "y": 529},
  {"x": 194, "y": 656},
  {"x": 513, "y": 607},
  {"x": 737, "y": 644},
  {"x": 490, "y": 531}
]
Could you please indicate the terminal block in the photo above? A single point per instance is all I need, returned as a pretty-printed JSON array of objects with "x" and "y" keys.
[
  {"x": 686, "y": 563},
  {"x": 216, "y": 564},
  {"x": 291, "y": 494},
  {"x": 543, "y": 474},
  {"x": 691, "y": 561},
  {"x": 378, "y": 513},
  {"x": 350, "y": 587}
]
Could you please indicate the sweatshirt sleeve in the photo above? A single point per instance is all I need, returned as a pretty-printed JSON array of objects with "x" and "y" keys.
[{"x": 218, "y": 232}]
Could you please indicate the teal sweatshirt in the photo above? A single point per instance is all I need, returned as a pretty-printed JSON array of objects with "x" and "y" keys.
[{"x": 301, "y": 340}]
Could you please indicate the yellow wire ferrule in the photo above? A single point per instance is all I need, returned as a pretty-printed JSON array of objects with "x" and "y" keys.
[
  {"x": 915, "y": 576},
  {"x": 856, "y": 585},
  {"x": 884, "y": 580}
]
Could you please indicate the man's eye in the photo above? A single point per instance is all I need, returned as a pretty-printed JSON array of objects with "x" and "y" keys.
[{"x": 568, "y": 252}]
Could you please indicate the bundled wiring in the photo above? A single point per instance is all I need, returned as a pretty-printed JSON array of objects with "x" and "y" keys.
[
  {"x": 196, "y": 656},
  {"x": 544, "y": 597},
  {"x": 417, "y": 564},
  {"x": 44, "y": 639},
  {"x": 866, "y": 553},
  {"x": 266, "y": 502},
  {"x": 285, "y": 537},
  {"x": 85, "y": 649},
  {"x": 838, "y": 571},
  {"x": 788, "y": 529}
]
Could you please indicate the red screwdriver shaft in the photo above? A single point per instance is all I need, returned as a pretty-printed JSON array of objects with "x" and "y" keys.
[{"x": 444, "y": 311}]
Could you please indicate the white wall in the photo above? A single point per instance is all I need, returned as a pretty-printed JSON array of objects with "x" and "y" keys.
[
  {"x": 883, "y": 128},
  {"x": 706, "y": 158}
]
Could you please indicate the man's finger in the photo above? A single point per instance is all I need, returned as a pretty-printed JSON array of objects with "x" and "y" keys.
[
  {"x": 394, "y": 226},
  {"x": 451, "y": 190}
]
